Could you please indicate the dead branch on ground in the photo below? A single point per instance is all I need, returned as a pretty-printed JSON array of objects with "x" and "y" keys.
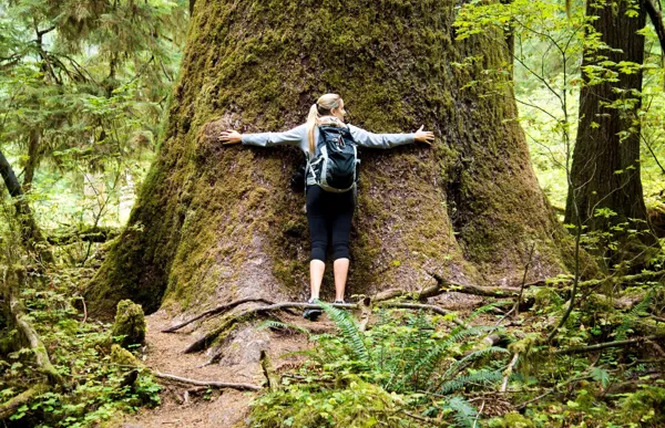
[{"x": 605, "y": 345}]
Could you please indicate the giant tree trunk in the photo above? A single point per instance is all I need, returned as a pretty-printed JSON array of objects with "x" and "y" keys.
[
  {"x": 216, "y": 223},
  {"x": 605, "y": 172}
]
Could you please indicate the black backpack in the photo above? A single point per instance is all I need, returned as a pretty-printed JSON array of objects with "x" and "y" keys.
[{"x": 335, "y": 168}]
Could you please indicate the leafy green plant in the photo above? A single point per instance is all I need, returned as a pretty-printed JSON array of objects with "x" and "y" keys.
[{"x": 402, "y": 369}]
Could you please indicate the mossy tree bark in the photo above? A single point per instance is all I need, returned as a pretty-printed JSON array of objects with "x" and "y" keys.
[
  {"x": 31, "y": 234},
  {"x": 605, "y": 172},
  {"x": 216, "y": 223}
]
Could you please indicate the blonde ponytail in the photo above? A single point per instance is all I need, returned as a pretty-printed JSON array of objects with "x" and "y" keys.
[
  {"x": 323, "y": 105},
  {"x": 311, "y": 124}
]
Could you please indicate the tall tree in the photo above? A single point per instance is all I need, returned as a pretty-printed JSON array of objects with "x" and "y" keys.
[
  {"x": 83, "y": 82},
  {"x": 217, "y": 223},
  {"x": 605, "y": 187}
]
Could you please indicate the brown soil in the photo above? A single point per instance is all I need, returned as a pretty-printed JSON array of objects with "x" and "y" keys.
[{"x": 200, "y": 407}]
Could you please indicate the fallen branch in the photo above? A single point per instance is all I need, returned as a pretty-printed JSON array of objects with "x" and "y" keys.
[
  {"x": 508, "y": 372},
  {"x": 10, "y": 407},
  {"x": 219, "y": 309},
  {"x": 208, "y": 383},
  {"x": 605, "y": 345},
  {"x": 551, "y": 390}
]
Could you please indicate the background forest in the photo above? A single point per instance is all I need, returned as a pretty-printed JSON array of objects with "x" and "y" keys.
[{"x": 85, "y": 88}]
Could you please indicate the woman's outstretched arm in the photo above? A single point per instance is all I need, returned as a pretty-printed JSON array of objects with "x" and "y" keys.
[
  {"x": 387, "y": 141},
  {"x": 292, "y": 137}
]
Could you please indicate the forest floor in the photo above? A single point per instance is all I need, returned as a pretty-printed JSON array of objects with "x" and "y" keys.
[{"x": 202, "y": 407}]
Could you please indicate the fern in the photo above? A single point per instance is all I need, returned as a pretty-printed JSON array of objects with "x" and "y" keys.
[
  {"x": 482, "y": 377},
  {"x": 350, "y": 331},
  {"x": 428, "y": 363},
  {"x": 277, "y": 325},
  {"x": 487, "y": 308},
  {"x": 460, "y": 364},
  {"x": 633, "y": 315},
  {"x": 464, "y": 413}
]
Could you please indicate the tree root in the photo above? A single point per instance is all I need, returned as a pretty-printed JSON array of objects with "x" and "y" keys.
[
  {"x": 207, "y": 383},
  {"x": 217, "y": 310},
  {"x": 10, "y": 407},
  {"x": 245, "y": 314},
  {"x": 605, "y": 345}
]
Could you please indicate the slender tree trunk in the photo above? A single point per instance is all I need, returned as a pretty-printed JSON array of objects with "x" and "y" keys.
[
  {"x": 30, "y": 233},
  {"x": 217, "y": 223},
  {"x": 33, "y": 158},
  {"x": 605, "y": 171}
]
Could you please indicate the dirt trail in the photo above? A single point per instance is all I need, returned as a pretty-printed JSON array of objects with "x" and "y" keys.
[
  {"x": 191, "y": 406},
  {"x": 196, "y": 407}
]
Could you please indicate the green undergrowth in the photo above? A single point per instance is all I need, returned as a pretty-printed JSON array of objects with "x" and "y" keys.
[
  {"x": 100, "y": 379},
  {"x": 412, "y": 369}
]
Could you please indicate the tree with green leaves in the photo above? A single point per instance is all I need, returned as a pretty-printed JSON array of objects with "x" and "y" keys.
[
  {"x": 605, "y": 189},
  {"x": 82, "y": 86}
]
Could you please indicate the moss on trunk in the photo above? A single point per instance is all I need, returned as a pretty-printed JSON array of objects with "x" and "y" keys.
[{"x": 217, "y": 223}]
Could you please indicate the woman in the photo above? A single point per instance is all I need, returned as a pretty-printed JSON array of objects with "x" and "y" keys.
[{"x": 328, "y": 214}]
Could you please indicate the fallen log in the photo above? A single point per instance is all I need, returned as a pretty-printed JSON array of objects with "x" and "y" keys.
[
  {"x": 10, "y": 407},
  {"x": 24, "y": 326}
]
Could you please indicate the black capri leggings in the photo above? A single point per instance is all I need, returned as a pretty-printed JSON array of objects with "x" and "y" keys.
[{"x": 329, "y": 216}]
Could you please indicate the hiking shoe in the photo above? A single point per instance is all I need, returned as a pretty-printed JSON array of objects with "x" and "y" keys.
[
  {"x": 339, "y": 302},
  {"x": 312, "y": 314}
]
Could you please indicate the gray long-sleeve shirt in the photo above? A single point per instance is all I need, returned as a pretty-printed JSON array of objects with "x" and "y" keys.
[{"x": 298, "y": 137}]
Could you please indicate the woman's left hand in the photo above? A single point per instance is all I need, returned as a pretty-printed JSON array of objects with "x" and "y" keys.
[
  {"x": 230, "y": 137},
  {"x": 426, "y": 137}
]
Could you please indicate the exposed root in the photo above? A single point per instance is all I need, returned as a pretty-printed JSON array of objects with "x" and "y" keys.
[
  {"x": 246, "y": 314},
  {"x": 219, "y": 309},
  {"x": 207, "y": 383},
  {"x": 272, "y": 380}
]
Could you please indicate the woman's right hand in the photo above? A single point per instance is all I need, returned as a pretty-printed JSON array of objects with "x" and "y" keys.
[
  {"x": 230, "y": 136},
  {"x": 424, "y": 136}
]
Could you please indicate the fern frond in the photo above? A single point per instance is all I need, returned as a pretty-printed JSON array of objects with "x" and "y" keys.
[
  {"x": 277, "y": 325},
  {"x": 457, "y": 365},
  {"x": 482, "y": 377},
  {"x": 486, "y": 308},
  {"x": 465, "y": 414},
  {"x": 350, "y": 331}
]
